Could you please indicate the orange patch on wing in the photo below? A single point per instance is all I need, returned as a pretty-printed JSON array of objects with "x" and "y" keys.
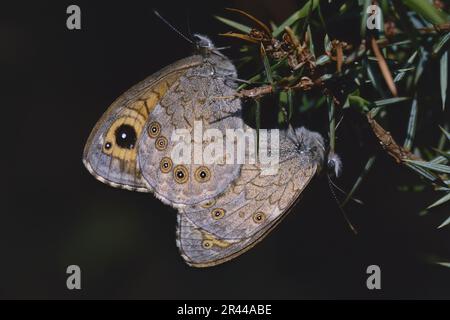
[{"x": 156, "y": 92}]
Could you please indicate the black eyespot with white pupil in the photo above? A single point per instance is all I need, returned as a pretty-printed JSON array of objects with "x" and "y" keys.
[
  {"x": 166, "y": 165},
  {"x": 154, "y": 129},
  {"x": 206, "y": 244},
  {"x": 181, "y": 174},
  {"x": 125, "y": 136},
  {"x": 259, "y": 217},
  {"x": 218, "y": 213},
  {"x": 108, "y": 145},
  {"x": 202, "y": 174}
]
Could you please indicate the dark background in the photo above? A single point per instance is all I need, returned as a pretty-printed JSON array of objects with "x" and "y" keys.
[{"x": 56, "y": 83}]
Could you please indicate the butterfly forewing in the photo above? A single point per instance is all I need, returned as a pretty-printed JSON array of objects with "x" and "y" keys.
[{"x": 111, "y": 151}]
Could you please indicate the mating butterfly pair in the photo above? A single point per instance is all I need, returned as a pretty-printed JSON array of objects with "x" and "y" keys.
[{"x": 223, "y": 209}]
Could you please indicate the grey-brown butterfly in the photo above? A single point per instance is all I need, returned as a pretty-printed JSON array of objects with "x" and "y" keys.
[
  {"x": 226, "y": 226},
  {"x": 130, "y": 146}
]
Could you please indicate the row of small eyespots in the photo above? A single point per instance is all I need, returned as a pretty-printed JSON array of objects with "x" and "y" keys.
[
  {"x": 219, "y": 213},
  {"x": 181, "y": 173}
]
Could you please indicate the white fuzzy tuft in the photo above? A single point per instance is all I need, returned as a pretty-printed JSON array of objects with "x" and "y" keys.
[{"x": 335, "y": 164}]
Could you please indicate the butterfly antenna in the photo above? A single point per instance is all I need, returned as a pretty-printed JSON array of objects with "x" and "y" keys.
[
  {"x": 237, "y": 79},
  {"x": 172, "y": 27},
  {"x": 339, "y": 122},
  {"x": 294, "y": 138},
  {"x": 345, "y": 193},
  {"x": 330, "y": 184},
  {"x": 223, "y": 48}
]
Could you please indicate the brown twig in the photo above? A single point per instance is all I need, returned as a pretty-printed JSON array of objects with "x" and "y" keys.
[
  {"x": 384, "y": 68},
  {"x": 257, "y": 92},
  {"x": 388, "y": 143},
  {"x": 304, "y": 84}
]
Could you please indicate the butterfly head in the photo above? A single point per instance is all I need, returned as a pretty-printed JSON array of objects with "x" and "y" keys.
[
  {"x": 308, "y": 143},
  {"x": 203, "y": 44},
  {"x": 313, "y": 145}
]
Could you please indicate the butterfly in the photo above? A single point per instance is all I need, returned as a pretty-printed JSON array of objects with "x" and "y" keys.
[
  {"x": 130, "y": 145},
  {"x": 224, "y": 208},
  {"x": 226, "y": 226}
]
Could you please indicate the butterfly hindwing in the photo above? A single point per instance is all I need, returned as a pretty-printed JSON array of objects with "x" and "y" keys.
[{"x": 198, "y": 110}]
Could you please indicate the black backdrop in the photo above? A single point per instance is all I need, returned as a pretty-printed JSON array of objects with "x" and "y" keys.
[{"x": 56, "y": 83}]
